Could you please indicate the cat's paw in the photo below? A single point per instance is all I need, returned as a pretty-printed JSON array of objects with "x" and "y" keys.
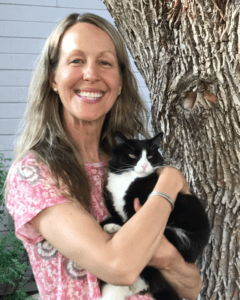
[
  {"x": 111, "y": 228},
  {"x": 114, "y": 292}
]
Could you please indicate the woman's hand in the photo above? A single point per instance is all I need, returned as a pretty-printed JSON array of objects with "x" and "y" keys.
[
  {"x": 172, "y": 173},
  {"x": 183, "y": 277},
  {"x": 164, "y": 256}
]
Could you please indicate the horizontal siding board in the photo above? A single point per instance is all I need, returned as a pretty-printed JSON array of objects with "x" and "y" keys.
[
  {"x": 17, "y": 61},
  {"x": 25, "y": 29},
  {"x": 21, "y": 45},
  {"x": 14, "y": 78},
  {"x": 12, "y": 110},
  {"x": 44, "y": 14},
  {"x": 28, "y": 13},
  {"x": 8, "y": 154},
  {"x": 13, "y": 94},
  {"x": 60, "y": 3},
  {"x": 7, "y": 142},
  {"x": 32, "y": 2},
  {"x": 20, "y": 29},
  {"x": 9, "y": 126},
  {"x": 84, "y": 4}
]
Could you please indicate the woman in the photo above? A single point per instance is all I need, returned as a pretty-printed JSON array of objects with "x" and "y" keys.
[{"x": 82, "y": 91}]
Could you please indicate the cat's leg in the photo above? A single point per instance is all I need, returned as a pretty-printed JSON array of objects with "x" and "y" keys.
[{"x": 115, "y": 292}]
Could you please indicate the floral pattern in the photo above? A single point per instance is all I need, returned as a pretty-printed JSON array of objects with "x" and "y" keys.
[
  {"x": 30, "y": 173},
  {"x": 45, "y": 250},
  {"x": 73, "y": 271},
  {"x": 32, "y": 189}
]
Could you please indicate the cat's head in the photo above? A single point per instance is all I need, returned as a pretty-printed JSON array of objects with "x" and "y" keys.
[{"x": 139, "y": 156}]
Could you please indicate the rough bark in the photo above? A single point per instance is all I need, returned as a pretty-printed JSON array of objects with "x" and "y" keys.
[{"x": 188, "y": 52}]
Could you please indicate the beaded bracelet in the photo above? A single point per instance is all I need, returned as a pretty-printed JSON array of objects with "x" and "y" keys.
[{"x": 164, "y": 196}]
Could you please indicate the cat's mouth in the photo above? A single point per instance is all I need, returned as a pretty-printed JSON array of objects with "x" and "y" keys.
[{"x": 142, "y": 174}]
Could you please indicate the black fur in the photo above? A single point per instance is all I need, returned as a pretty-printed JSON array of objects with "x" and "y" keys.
[{"x": 189, "y": 213}]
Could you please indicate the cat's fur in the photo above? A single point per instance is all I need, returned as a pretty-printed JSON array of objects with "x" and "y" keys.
[{"x": 132, "y": 174}]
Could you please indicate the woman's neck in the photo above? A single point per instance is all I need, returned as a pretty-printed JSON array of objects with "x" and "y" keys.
[{"x": 86, "y": 137}]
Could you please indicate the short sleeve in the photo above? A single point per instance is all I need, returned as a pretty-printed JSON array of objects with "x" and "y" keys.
[{"x": 31, "y": 189}]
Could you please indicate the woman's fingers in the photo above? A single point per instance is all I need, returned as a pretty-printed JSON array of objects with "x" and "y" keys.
[
  {"x": 171, "y": 172},
  {"x": 136, "y": 204}
]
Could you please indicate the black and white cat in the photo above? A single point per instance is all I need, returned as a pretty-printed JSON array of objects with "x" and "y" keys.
[{"x": 132, "y": 174}]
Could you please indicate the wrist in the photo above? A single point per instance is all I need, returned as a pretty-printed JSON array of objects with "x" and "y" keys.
[
  {"x": 169, "y": 187},
  {"x": 164, "y": 255},
  {"x": 165, "y": 196}
]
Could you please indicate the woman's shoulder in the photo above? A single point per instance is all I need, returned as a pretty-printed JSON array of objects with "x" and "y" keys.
[
  {"x": 28, "y": 168},
  {"x": 27, "y": 159}
]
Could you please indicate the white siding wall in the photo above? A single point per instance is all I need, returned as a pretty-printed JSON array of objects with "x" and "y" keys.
[{"x": 24, "y": 26}]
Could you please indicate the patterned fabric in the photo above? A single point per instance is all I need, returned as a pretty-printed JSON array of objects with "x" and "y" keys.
[{"x": 32, "y": 189}]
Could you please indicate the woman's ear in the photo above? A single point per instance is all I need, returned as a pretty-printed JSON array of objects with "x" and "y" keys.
[
  {"x": 121, "y": 85},
  {"x": 53, "y": 82}
]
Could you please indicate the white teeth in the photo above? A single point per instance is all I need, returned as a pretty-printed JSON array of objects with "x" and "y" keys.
[{"x": 90, "y": 95}]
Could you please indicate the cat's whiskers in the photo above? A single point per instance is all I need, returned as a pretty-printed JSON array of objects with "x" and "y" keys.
[
  {"x": 119, "y": 171},
  {"x": 157, "y": 166}
]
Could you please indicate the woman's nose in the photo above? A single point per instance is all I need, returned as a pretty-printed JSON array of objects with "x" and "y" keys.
[{"x": 90, "y": 73}]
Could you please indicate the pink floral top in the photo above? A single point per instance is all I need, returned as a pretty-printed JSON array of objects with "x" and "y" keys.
[{"x": 32, "y": 189}]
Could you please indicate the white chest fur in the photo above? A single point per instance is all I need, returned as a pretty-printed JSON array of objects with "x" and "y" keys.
[{"x": 118, "y": 185}]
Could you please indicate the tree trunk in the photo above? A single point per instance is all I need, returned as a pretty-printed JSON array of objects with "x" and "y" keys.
[{"x": 188, "y": 52}]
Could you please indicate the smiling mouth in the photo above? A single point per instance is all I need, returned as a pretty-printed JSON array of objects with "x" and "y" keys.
[{"x": 90, "y": 97}]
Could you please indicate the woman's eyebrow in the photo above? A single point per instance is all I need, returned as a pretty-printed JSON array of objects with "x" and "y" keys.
[
  {"x": 107, "y": 51},
  {"x": 78, "y": 51}
]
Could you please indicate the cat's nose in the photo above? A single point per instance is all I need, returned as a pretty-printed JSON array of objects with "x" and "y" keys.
[{"x": 144, "y": 166}]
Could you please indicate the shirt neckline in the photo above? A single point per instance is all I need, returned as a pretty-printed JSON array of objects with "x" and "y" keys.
[{"x": 102, "y": 163}]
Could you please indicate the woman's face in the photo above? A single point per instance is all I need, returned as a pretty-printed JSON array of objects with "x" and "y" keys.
[{"x": 87, "y": 77}]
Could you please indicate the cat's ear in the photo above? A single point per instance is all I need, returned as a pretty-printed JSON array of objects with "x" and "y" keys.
[
  {"x": 119, "y": 138},
  {"x": 157, "y": 139}
]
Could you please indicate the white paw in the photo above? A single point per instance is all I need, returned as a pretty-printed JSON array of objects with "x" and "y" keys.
[
  {"x": 139, "y": 286},
  {"x": 114, "y": 292},
  {"x": 111, "y": 228}
]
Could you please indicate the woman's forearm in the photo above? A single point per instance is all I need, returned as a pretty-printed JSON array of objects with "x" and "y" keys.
[
  {"x": 138, "y": 239},
  {"x": 183, "y": 277}
]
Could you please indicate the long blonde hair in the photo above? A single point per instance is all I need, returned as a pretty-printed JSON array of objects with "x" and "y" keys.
[{"x": 42, "y": 130}]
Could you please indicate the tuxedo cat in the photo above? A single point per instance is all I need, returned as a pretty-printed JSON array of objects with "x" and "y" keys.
[{"x": 132, "y": 174}]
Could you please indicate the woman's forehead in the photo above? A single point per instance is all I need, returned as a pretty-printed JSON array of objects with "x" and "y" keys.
[{"x": 87, "y": 37}]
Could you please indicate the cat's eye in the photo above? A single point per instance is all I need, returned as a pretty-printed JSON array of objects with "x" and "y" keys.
[
  {"x": 149, "y": 157},
  {"x": 132, "y": 155}
]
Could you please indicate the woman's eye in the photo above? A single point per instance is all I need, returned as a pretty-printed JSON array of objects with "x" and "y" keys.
[
  {"x": 105, "y": 63},
  {"x": 149, "y": 157},
  {"x": 77, "y": 61},
  {"x": 132, "y": 155}
]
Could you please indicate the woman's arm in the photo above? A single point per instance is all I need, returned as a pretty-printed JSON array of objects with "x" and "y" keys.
[
  {"x": 182, "y": 276},
  {"x": 118, "y": 259}
]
